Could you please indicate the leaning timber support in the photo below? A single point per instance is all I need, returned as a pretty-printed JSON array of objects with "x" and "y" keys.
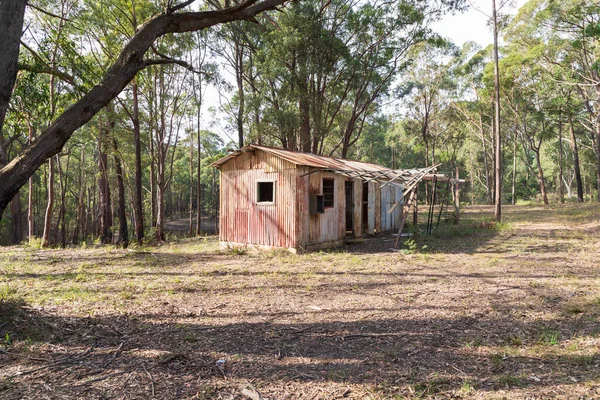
[{"x": 405, "y": 210}]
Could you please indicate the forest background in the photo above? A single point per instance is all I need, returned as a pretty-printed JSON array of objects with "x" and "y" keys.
[{"x": 362, "y": 80}]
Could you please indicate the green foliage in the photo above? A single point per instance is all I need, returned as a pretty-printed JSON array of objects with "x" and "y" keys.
[{"x": 316, "y": 77}]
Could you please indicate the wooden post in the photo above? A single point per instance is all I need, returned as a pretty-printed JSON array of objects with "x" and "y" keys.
[
  {"x": 416, "y": 210},
  {"x": 457, "y": 197}
]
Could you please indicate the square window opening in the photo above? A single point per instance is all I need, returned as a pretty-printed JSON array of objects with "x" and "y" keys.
[
  {"x": 265, "y": 192},
  {"x": 328, "y": 193}
]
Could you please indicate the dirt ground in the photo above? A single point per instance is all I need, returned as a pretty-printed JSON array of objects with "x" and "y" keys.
[{"x": 479, "y": 310}]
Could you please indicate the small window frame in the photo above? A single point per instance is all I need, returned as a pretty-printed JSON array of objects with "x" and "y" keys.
[
  {"x": 325, "y": 195},
  {"x": 266, "y": 203}
]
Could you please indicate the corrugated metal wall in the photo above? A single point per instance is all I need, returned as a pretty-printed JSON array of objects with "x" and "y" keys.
[
  {"x": 287, "y": 222},
  {"x": 245, "y": 221}
]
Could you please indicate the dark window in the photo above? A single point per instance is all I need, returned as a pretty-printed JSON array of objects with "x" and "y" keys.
[
  {"x": 328, "y": 197},
  {"x": 265, "y": 192}
]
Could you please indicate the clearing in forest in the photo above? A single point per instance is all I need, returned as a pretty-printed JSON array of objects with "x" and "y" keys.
[{"x": 483, "y": 311}]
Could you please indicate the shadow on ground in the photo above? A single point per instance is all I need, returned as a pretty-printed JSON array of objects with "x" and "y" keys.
[{"x": 95, "y": 356}]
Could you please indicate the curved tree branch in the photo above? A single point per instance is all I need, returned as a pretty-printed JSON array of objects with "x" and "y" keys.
[{"x": 129, "y": 63}]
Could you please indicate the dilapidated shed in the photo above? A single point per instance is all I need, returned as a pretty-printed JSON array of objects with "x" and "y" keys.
[{"x": 274, "y": 198}]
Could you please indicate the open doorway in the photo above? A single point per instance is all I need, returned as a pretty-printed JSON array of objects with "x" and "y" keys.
[{"x": 349, "y": 191}]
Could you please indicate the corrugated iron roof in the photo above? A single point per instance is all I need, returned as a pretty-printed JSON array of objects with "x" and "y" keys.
[
  {"x": 305, "y": 159},
  {"x": 350, "y": 168}
]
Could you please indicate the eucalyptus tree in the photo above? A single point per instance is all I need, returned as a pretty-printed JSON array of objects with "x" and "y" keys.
[
  {"x": 472, "y": 105},
  {"x": 131, "y": 59},
  {"x": 427, "y": 95},
  {"x": 566, "y": 37},
  {"x": 497, "y": 133},
  {"x": 530, "y": 100},
  {"x": 325, "y": 67}
]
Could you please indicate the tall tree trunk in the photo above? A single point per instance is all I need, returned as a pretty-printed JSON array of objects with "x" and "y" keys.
[
  {"x": 49, "y": 204},
  {"x": 540, "y": 176},
  {"x": 488, "y": 185},
  {"x": 498, "y": 147},
  {"x": 16, "y": 219},
  {"x": 304, "y": 111},
  {"x": 80, "y": 222},
  {"x": 561, "y": 192},
  {"x": 239, "y": 74},
  {"x": 105, "y": 222},
  {"x": 152, "y": 177},
  {"x": 61, "y": 223},
  {"x": 426, "y": 165},
  {"x": 191, "y": 202},
  {"x": 198, "y": 93},
  {"x": 598, "y": 154},
  {"x": 472, "y": 178},
  {"x": 214, "y": 200},
  {"x": 514, "y": 173},
  {"x": 12, "y": 13},
  {"x": 160, "y": 204},
  {"x": 138, "y": 207},
  {"x": 576, "y": 161},
  {"x": 30, "y": 210},
  {"x": 123, "y": 238},
  {"x": 199, "y": 185}
]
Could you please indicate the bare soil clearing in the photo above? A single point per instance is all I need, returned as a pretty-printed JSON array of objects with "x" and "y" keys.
[{"x": 484, "y": 311}]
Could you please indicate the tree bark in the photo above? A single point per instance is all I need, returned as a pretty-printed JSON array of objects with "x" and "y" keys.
[
  {"x": 488, "y": 186},
  {"x": 304, "y": 111},
  {"x": 576, "y": 161},
  {"x": 12, "y": 13},
  {"x": 561, "y": 192},
  {"x": 514, "y": 173},
  {"x": 104, "y": 211},
  {"x": 138, "y": 207},
  {"x": 191, "y": 193},
  {"x": 49, "y": 204},
  {"x": 130, "y": 61},
  {"x": 597, "y": 156},
  {"x": 498, "y": 147},
  {"x": 80, "y": 223},
  {"x": 239, "y": 75},
  {"x": 540, "y": 176},
  {"x": 123, "y": 238},
  {"x": 199, "y": 183},
  {"x": 30, "y": 221},
  {"x": 16, "y": 223},
  {"x": 61, "y": 223}
]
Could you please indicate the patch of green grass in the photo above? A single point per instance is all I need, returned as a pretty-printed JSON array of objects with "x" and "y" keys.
[
  {"x": 190, "y": 337},
  {"x": 509, "y": 380},
  {"x": 430, "y": 387},
  {"x": 497, "y": 360},
  {"x": 515, "y": 340},
  {"x": 574, "y": 309},
  {"x": 466, "y": 389},
  {"x": 581, "y": 359},
  {"x": 7, "y": 291},
  {"x": 473, "y": 344},
  {"x": 237, "y": 250},
  {"x": 549, "y": 338},
  {"x": 336, "y": 374}
]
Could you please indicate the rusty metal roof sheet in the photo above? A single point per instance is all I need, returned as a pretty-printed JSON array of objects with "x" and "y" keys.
[
  {"x": 350, "y": 168},
  {"x": 305, "y": 159}
]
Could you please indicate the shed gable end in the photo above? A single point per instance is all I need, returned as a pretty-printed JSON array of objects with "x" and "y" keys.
[{"x": 257, "y": 159}]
